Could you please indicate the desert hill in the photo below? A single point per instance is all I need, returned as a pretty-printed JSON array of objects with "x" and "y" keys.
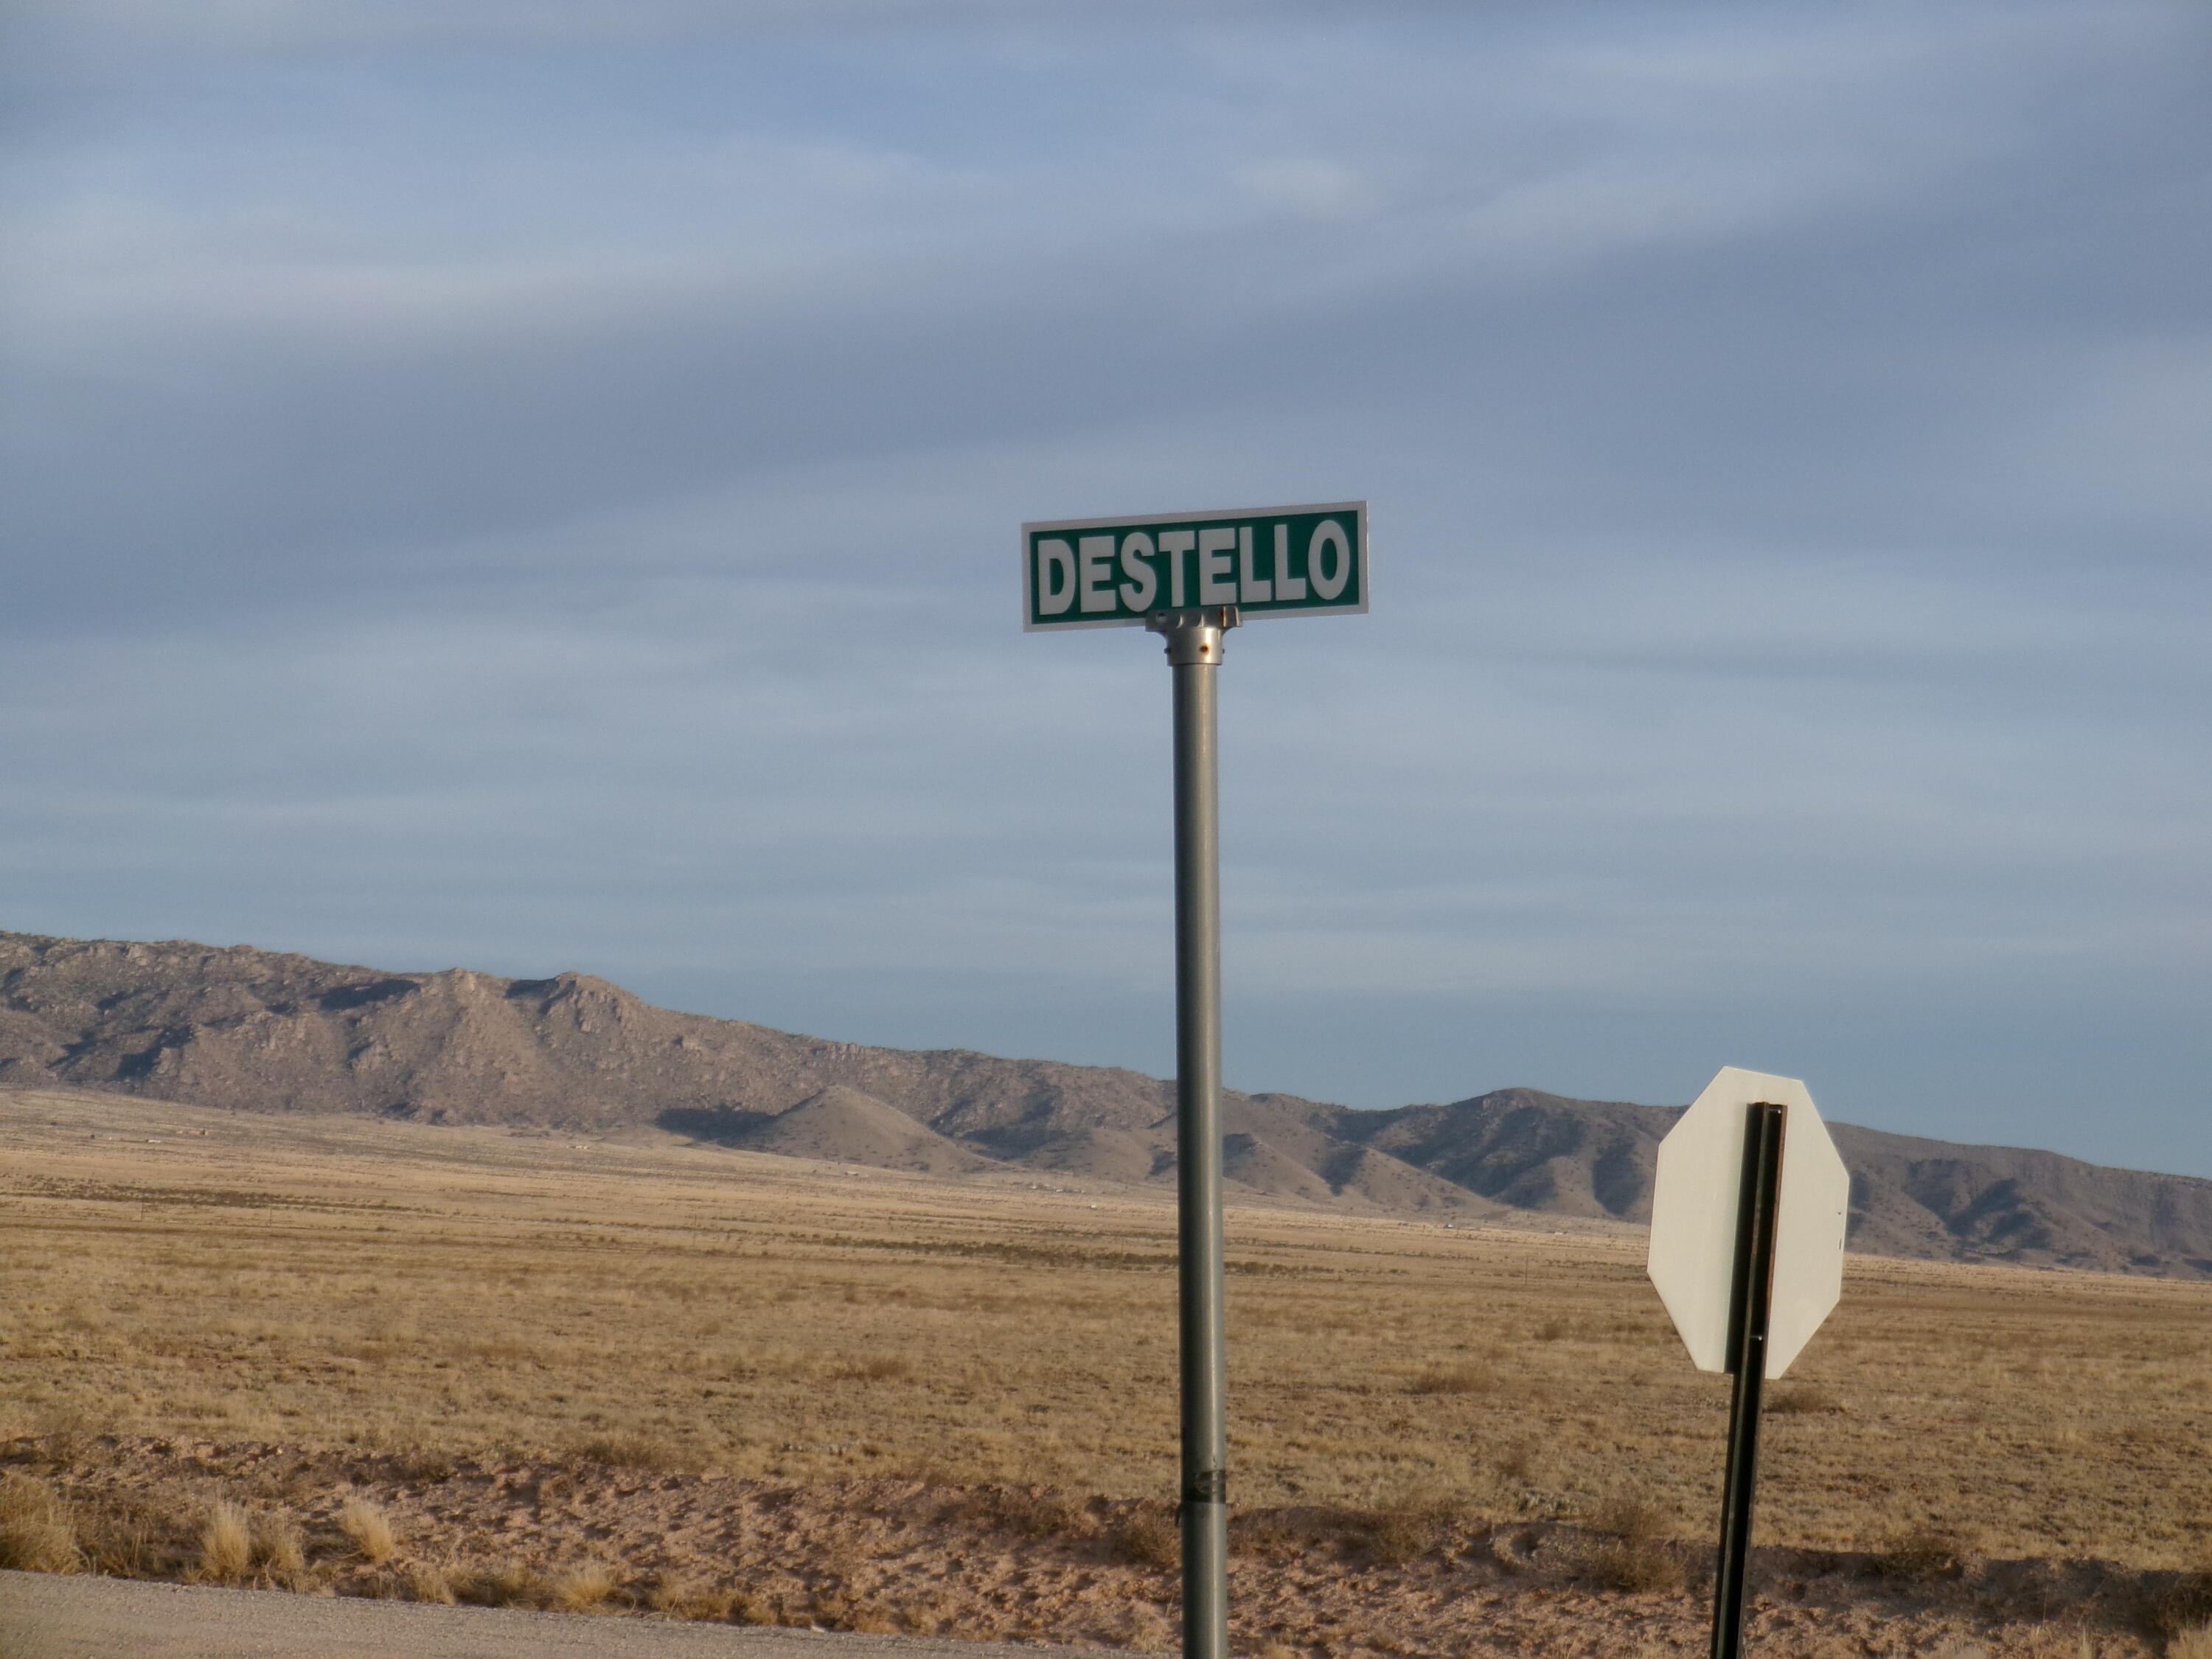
[
  {"x": 262, "y": 1031},
  {"x": 841, "y": 1125}
]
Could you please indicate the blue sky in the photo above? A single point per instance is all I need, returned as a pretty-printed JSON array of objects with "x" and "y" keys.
[{"x": 534, "y": 486}]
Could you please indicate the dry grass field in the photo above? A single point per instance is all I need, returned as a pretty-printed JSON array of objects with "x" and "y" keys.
[{"x": 182, "y": 1280}]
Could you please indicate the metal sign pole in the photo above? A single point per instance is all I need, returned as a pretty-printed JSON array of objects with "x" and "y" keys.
[
  {"x": 1193, "y": 649},
  {"x": 1148, "y": 568},
  {"x": 1750, "y": 1310}
]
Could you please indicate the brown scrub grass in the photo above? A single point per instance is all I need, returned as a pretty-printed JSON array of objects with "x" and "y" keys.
[
  {"x": 426, "y": 1294},
  {"x": 366, "y": 1524},
  {"x": 37, "y": 1527},
  {"x": 226, "y": 1545}
]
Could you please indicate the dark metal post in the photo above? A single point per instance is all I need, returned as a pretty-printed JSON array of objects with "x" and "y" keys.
[
  {"x": 1195, "y": 641},
  {"x": 1749, "y": 1307}
]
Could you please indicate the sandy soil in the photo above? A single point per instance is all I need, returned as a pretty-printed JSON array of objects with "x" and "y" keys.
[
  {"x": 1007, "y": 1563},
  {"x": 731, "y": 1387},
  {"x": 172, "y": 1271}
]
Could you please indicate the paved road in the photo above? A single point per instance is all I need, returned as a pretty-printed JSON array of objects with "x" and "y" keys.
[{"x": 46, "y": 1616}]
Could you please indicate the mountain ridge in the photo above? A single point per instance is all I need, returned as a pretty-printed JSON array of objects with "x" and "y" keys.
[{"x": 272, "y": 1031}]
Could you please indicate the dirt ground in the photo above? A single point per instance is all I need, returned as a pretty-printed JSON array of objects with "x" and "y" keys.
[
  {"x": 651, "y": 1375},
  {"x": 999, "y": 1563}
]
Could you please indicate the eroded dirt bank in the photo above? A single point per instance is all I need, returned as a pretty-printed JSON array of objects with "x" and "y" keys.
[{"x": 1009, "y": 1563}]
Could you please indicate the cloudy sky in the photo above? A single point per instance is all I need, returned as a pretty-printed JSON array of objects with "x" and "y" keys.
[{"x": 533, "y": 484}]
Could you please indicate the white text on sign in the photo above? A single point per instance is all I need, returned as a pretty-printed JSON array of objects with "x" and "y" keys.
[{"x": 1092, "y": 573}]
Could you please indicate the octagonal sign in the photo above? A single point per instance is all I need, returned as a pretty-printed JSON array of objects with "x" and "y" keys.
[{"x": 1696, "y": 1192}]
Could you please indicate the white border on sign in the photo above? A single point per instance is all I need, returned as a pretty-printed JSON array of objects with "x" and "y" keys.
[
  {"x": 1353, "y": 509},
  {"x": 1696, "y": 1202}
]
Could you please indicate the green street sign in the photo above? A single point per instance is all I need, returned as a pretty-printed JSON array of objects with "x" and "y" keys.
[{"x": 1270, "y": 562}]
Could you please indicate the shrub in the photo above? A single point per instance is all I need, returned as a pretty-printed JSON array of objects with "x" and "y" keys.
[
  {"x": 1800, "y": 1399},
  {"x": 1267, "y": 1535},
  {"x": 277, "y": 1546},
  {"x": 226, "y": 1545},
  {"x": 433, "y": 1584},
  {"x": 628, "y": 1451},
  {"x": 2192, "y": 1644},
  {"x": 2182, "y": 1606},
  {"x": 1451, "y": 1379},
  {"x": 1147, "y": 1629},
  {"x": 1390, "y": 1538},
  {"x": 1917, "y": 1555},
  {"x": 370, "y": 1528},
  {"x": 682, "y": 1597},
  {"x": 425, "y": 1466},
  {"x": 1148, "y": 1536},
  {"x": 66, "y": 1433},
  {"x": 521, "y": 1587},
  {"x": 748, "y": 1607},
  {"x": 1635, "y": 1564},
  {"x": 37, "y": 1532},
  {"x": 510, "y": 1586},
  {"x": 1630, "y": 1516},
  {"x": 882, "y": 1368},
  {"x": 1027, "y": 1513},
  {"x": 1515, "y": 1466},
  {"x": 581, "y": 1589},
  {"x": 836, "y": 1610},
  {"x": 1406, "y": 1522},
  {"x": 124, "y": 1536}
]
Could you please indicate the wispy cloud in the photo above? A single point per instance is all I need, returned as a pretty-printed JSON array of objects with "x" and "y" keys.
[{"x": 534, "y": 486}]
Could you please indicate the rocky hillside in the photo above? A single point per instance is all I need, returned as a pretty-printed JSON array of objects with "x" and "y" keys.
[{"x": 266, "y": 1032}]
